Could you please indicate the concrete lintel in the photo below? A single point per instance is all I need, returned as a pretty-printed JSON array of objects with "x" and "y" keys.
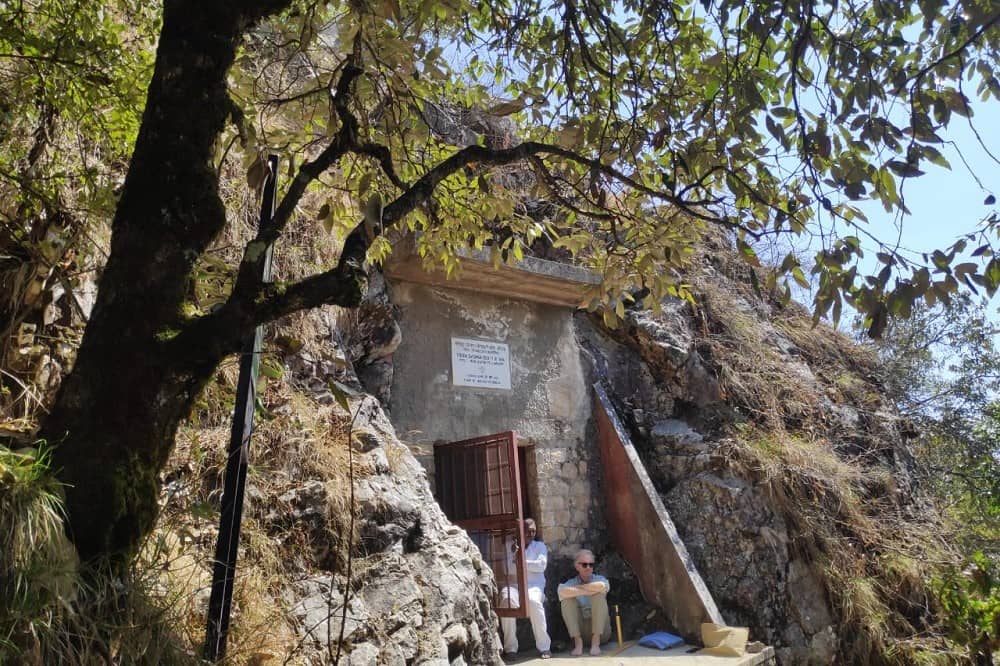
[{"x": 530, "y": 279}]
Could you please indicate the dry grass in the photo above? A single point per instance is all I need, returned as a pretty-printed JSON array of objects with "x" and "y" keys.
[
  {"x": 37, "y": 570},
  {"x": 831, "y": 480},
  {"x": 307, "y": 442},
  {"x": 745, "y": 333},
  {"x": 752, "y": 373},
  {"x": 804, "y": 417},
  {"x": 158, "y": 614},
  {"x": 875, "y": 561},
  {"x": 47, "y": 614}
]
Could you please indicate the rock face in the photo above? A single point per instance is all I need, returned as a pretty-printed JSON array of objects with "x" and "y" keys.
[
  {"x": 776, "y": 457},
  {"x": 338, "y": 510},
  {"x": 421, "y": 588},
  {"x": 421, "y": 591},
  {"x": 768, "y": 440}
]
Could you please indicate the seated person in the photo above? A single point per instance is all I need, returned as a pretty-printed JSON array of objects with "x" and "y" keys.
[
  {"x": 536, "y": 556},
  {"x": 584, "y": 601}
]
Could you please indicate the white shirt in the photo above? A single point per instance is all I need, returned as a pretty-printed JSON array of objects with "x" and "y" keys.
[{"x": 536, "y": 557}]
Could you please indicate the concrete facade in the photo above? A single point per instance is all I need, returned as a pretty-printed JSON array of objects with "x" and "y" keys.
[
  {"x": 585, "y": 488},
  {"x": 549, "y": 403}
]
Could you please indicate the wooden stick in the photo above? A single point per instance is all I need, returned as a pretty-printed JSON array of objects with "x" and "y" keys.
[
  {"x": 618, "y": 624},
  {"x": 621, "y": 649}
]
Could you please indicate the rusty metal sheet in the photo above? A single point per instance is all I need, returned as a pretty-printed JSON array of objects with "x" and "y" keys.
[{"x": 617, "y": 491}]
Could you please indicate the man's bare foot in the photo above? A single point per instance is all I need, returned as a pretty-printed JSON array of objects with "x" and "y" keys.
[{"x": 577, "y": 646}]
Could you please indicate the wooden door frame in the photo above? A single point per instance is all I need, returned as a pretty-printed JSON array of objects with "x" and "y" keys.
[{"x": 478, "y": 485}]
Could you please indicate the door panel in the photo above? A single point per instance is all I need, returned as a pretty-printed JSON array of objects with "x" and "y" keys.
[{"x": 478, "y": 486}]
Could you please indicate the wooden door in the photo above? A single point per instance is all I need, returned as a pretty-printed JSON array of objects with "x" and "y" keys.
[{"x": 478, "y": 485}]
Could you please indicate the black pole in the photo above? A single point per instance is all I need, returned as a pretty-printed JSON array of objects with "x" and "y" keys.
[{"x": 224, "y": 571}]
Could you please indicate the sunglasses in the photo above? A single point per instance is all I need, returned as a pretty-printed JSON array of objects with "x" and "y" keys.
[{"x": 586, "y": 564}]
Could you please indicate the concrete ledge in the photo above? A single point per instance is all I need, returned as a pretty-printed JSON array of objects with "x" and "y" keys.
[
  {"x": 531, "y": 279},
  {"x": 643, "y": 532},
  {"x": 635, "y": 655}
]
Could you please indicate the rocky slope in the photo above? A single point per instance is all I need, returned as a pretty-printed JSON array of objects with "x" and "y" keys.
[
  {"x": 336, "y": 508},
  {"x": 769, "y": 440},
  {"x": 787, "y": 473}
]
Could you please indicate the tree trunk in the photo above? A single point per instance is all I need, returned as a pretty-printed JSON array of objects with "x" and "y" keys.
[{"x": 115, "y": 417}]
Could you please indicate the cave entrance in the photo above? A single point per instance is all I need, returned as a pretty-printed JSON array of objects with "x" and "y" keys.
[{"x": 479, "y": 486}]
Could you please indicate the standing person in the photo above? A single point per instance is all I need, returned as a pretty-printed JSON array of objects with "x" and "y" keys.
[
  {"x": 536, "y": 557},
  {"x": 584, "y": 601}
]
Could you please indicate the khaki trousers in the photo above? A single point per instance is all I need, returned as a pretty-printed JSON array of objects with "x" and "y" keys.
[{"x": 581, "y": 625}]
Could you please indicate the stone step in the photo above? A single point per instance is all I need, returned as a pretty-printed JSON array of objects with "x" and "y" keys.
[{"x": 635, "y": 655}]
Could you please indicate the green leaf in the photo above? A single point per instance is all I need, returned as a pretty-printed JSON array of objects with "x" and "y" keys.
[
  {"x": 342, "y": 394},
  {"x": 904, "y": 169},
  {"x": 957, "y": 103},
  {"x": 992, "y": 275},
  {"x": 748, "y": 253},
  {"x": 800, "y": 277},
  {"x": 935, "y": 156},
  {"x": 272, "y": 368},
  {"x": 774, "y": 129},
  {"x": 711, "y": 90}
]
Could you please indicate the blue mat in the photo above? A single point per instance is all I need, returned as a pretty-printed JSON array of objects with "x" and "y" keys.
[{"x": 660, "y": 640}]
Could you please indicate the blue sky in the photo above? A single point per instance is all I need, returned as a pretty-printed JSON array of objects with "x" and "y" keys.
[{"x": 945, "y": 204}]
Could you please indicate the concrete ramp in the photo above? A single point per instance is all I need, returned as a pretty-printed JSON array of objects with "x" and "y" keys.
[{"x": 643, "y": 533}]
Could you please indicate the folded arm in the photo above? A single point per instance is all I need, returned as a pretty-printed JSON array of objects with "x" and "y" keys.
[
  {"x": 538, "y": 562},
  {"x": 566, "y": 591}
]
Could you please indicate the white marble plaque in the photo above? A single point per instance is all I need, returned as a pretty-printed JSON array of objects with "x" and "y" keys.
[{"x": 480, "y": 364}]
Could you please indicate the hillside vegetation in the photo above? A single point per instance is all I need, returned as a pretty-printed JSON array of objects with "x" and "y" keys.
[
  {"x": 832, "y": 547},
  {"x": 790, "y": 475},
  {"x": 627, "y": 137}
]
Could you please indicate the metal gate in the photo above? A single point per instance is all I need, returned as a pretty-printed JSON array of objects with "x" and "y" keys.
[{"x": 478, "y": 485}]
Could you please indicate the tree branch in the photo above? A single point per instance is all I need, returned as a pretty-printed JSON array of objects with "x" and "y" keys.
[
  {"x": 252, "y": 304},
  {"x": 973, "y": 38},
  {"x": 344, "y": 141},
  {"x": 222, "y": 332}
]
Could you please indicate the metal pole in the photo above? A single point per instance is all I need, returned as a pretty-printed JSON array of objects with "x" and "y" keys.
[{"x": 234, "y": 485}]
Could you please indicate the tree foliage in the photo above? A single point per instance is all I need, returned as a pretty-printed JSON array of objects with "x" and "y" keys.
[
  {"x": 71, "y": 76},
  {"x": 646, "y": 121},
  {"x": 941, "y": 368},
  {"x": 631, "y": 128},
  {"x": 971, "y": 600}
]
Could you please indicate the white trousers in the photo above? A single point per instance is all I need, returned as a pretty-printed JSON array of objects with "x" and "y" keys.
[{"x": 509, "y": 598}]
